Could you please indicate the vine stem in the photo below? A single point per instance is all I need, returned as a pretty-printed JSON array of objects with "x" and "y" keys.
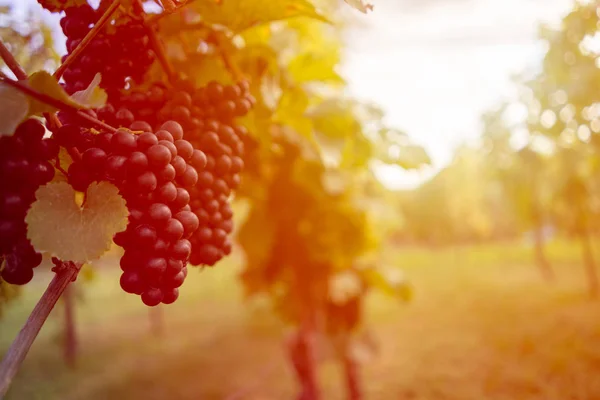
[
  {"x": 168, "y": 5},
  {"x": 56, "y": 103},
  {"x": 20, "y": 347},
  {"x": 87, "y": 39},
  {"x": 159, "y": 49},
  {"x": 224, "y": 46},
  {"x": 11, "y": 62}
]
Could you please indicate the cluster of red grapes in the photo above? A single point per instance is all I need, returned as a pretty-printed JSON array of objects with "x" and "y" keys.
[
  {"x": 154, "y": 173},
  {"x": 24, "y": 167},
  {"x": 119, "y": 51},
  {"x": 210, "y": 128},
  {"x": 175, "y": 156}
]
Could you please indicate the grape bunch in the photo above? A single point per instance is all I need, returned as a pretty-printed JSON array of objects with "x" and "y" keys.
[
  {"x": 154, "y": 173},
  {"x": 188, "y": 105},
  {"x": 175, "y": 155},
  {"x": 24, "y": 167},
  {"x": 224, "y": 149},
  {"x": 208, "y": 116},
  {"x": 118, "y": 52}
]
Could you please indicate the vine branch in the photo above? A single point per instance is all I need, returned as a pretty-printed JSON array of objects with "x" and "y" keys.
[
  {"x": 66, "y": 272},
  {"x": 11, "y": 62},
  {"x": 87, "y": 39},
  {"x": 157, "y": 46},
  {"x": 56, "y": 103},
  {"x": 225, "y": 47}
]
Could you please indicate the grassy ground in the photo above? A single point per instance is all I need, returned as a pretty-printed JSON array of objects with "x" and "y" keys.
[{"x": 483, "y": 325}]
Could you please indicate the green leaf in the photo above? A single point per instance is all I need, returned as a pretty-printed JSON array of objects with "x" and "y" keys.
[
  {"x": 59, "y": 226},
  {"x": 14, "y": 106},
  {"x": 238, "y": 15},
  {"x": 45, "y": 83},
  {"x": 93, "y": 96}
]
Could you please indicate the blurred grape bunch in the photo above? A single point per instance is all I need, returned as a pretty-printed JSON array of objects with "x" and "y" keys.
[{"x": 29, "y": 39}]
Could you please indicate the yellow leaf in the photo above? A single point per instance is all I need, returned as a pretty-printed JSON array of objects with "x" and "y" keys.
[
  {"x": 93, "y": 96},
  {"x": 317, "y": 65},
  {"x": 45, "y": 83},
  {"x": 57, "y": 225},
  {"x": 291, "y": 111},
  {"x": 238, "y": 15},
  {"x": 335, "y": 119}
]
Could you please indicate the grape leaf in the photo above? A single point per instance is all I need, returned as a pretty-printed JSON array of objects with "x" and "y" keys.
[
  {"x": 335, "y": 119},
  {"x": 93, "y": 96},
  {"x": 45, "y": 83},
  {"x": 291, "y": 111},
  {"x": 57, "y": 225},
  {"x": 238, "y": 15},
  {"x": 317, "y": 65},
  {"x": 360, "y": 5},
  {"x": 14, "y": 106}
]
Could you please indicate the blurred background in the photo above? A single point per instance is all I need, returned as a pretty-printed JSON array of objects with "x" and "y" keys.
[{"x": 497, "y": 236}]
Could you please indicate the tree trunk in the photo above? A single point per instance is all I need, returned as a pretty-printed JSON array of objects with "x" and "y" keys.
[
  {"x": 157, "y": 324},
  {"x": 540, "y": 256},
  {"x": 301, "y": 354},
  {"x": 70, "y": 333},
  {"x": 352, "y": 372},
  {"x": 589, "y": 263}
]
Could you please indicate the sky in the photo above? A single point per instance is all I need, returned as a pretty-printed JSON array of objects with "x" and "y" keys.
[{"x": 435, "y": 65}]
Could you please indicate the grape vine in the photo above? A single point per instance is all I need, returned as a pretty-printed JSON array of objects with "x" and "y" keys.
[{"x": 147, "y": 136}]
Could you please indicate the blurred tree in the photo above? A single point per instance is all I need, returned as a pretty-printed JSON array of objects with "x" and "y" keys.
[
  {"x": 523, "y": 178},
  {"x": 563, "y": 107},
  {"x": 29, "y": 39}
]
